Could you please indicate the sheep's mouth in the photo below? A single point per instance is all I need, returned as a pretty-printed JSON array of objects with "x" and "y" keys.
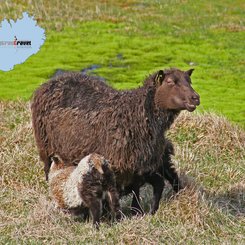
[{"x": 190, "y": 107}]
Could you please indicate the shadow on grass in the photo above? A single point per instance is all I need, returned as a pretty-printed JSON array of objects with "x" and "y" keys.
[{"x": 232, "y": 201}]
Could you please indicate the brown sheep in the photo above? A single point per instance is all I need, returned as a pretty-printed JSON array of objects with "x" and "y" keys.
[
  {"x": 82, "y": 188},
  {"x": 76, "y": 114}
]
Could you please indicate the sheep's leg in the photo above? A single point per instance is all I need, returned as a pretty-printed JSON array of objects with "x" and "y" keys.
[
  {"x": 157, "y": 182},
  {"x": 135, "y": 206},
  {"x": 47, "y": 163},
  {"x": 95, "y": 209},
  {"x": 170, "y": 173}
]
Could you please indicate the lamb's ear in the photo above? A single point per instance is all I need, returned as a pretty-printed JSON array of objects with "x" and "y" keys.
[
  {"x": 189, "y": 72},
  {"x": 56, "y": 159},
  {"x": 158, "y": 80}
]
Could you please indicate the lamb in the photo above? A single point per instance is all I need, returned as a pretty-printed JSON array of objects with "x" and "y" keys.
[
  {"x": 76, "y": 114},
  {"x": 81, "y": 188}
]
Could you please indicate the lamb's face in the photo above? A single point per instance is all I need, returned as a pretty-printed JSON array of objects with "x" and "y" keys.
[
  {"x": 174, "y": 91},
  {"x": 101, "y": 169},
  {"x": 97, "y": 162}
]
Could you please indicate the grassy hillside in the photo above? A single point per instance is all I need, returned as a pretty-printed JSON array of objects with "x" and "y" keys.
[
  {"x": 211, "y": 209},
  {"x": 130, "y": 39}
]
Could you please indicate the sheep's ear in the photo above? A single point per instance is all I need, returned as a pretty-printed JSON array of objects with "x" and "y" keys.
[
  {"x": 189, "y": 72},
  {"x": 158, "y": 80}
]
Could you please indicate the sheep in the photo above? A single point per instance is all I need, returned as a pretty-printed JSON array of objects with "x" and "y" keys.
[
  {"x": 75, "y": 114},
  {"x": 82, "y": 188}
]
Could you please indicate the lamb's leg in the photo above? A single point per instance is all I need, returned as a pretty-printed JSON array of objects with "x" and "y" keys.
[
  {"x": 135, "y": 206},
  {"x": 95, "y": 209},
  {"x": 157, "y": 182},
  {"x": 169, "y": 170},
  {"x": 86, "y": 214},
  {"x": 105, "y": 208},
  {"x": 114, "y": 202},
  {"x": 112, "y": 197}
]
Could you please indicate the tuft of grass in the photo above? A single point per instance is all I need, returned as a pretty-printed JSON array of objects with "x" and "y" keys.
[
  {"x": 207, "y": 139},
  {"x": 211, "y": 209},
  {"x": 131, "y": 39}
]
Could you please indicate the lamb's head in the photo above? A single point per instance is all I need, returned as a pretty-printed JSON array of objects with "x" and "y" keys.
[
  {"x": 96, "y": 161},
  {"x": 101, "y": 169},
  {"x": 56, "y": 164},
  {"x": 174, "y": 91},
  {"x": 103, "y": 172}
]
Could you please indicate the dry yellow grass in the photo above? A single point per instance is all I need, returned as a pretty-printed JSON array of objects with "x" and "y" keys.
[
  {"x": 58, "y": 14},
  {"x": 211, "y": 209}
]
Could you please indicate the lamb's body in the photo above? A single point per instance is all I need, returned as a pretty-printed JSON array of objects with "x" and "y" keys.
[
  {"x": 82, "y": 187},
  {"x": 74, "y": 115}
]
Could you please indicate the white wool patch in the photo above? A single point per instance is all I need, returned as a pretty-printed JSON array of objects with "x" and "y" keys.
[{"x": 72, "y": 197}]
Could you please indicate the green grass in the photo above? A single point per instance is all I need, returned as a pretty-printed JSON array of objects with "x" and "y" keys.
[
  {"x": 211, "y": 210},
  {"x": 149, "y": 35}
]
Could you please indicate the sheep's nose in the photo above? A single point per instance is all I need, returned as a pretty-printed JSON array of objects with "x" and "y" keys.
[{"x": 195, "y": 97}]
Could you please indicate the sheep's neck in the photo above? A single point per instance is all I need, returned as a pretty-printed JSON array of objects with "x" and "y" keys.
[{"x": 165, "y": 117}]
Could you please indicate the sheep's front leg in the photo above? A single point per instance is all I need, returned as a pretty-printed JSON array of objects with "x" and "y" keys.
[
  {"x": 95, "y": 210},
  {"x": 157, "y": 182},
  {"x": 173, "y": 178},
  {"x": 169, "y": 170}
]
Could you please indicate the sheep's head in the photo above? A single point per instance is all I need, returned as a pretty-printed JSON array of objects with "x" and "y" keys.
[{"x": 174, "y": 91}]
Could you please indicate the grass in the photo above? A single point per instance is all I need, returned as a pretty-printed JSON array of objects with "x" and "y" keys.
[
  {"x": 132, "y": 39},
  {"x": 209, "y": 156}
]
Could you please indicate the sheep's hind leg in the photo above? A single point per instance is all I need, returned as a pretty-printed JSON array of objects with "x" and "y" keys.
[{"x": 157, "y": 182}]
